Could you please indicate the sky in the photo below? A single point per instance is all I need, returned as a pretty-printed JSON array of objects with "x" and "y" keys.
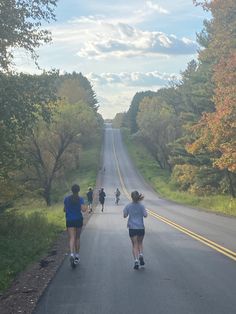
[{"x": 122, "y": 47}]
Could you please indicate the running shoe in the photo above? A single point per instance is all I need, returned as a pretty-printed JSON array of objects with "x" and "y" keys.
[
  {"x": 72, "y": 261},
  {"x": 141, "y": 260},
  {"x": 77, "y": 260},
  {"x": 136, "y": 265}
]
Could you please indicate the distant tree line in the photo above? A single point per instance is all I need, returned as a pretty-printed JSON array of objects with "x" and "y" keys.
[{"x": 190, "y": 126}]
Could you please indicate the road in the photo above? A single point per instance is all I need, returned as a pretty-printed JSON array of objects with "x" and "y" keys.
[{"x": 183, "y": 274}]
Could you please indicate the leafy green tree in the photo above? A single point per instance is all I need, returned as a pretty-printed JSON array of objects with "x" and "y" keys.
[
  {"x": 196, "y": 89},
  {"x": 20, "y": 27},
  {"x": 172, "y": 96},
  {"x": 158, "y": 125},
  {"x": 54, "y": 148},
  {"x": 75, "y": 87},
  {"x": 23, "y": 100},
  {"x": 119, "y": 120},
  {"x": 134, "y": 108}
]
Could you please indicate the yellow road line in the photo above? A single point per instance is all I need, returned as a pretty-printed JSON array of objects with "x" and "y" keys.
[
  {"x": 196, "y": 236},
  {"x": 211, "y": 244},
  {"x": 193, "y": 233}
]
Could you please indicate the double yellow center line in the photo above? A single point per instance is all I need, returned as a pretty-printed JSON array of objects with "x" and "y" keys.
[
  {"x": 196, "y": 236},
  {"x": 211, "y": 244}
]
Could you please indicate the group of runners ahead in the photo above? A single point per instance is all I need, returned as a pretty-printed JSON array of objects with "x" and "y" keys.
[{"x": 74, "y": 205}]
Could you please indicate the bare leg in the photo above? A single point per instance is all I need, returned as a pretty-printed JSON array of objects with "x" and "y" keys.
[
  {"x": 72, "y": 239},
  {"x": 140, "y": 245},
  {"x": 77, "y": 244},
  {"x": 135, "y": 247}
]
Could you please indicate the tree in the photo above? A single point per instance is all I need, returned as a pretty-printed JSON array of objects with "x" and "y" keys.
[
  {"x": 23, "y": 100},
  {"x": 20, "y": 27},
  {"x": 118, "y": 121},
  {"x": 217, "y": 131},
  {"x": 134, "y": 108},
  {"x": 196, "y": 89},
  {"x": 158, "y": 125},
  {"x": 75, "y": 88},
  {"x": 173, "y": 97},
  {"x": 54, "y": 148}
]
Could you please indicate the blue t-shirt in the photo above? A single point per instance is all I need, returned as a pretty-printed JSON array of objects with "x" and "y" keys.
[{"x": 72, "y": 208}]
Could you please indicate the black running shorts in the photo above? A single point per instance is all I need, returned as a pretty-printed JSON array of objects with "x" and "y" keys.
[
  {"x": 136, "y": 232},
  {"x": 102, "y": 201},
  {"x": 74, "y": 223}
]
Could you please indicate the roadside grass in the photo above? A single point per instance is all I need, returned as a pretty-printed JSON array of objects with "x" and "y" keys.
[
  {"x": 28, "y": 230},
  {"x": 24, "y": 237},
  {"x": 159, "y": 179}
]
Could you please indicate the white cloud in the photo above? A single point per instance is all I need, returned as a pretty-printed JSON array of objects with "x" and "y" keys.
[
  {"x": 98, "y": 39},
  {"x": 156, "y": 7},
  {"x": 144, "y": 79},
  {"x": 95, "y": 38},
  {"x": 135, "y": 43}
]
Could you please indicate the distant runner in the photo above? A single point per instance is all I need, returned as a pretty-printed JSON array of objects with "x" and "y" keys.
[
  {"x": 73, "y": 205},
  {"x": 90, "y": 199},
  {"x": 102, "y": 196},
  {"x": 117, "y": 194},
  {"x": 136, "y": 211}
]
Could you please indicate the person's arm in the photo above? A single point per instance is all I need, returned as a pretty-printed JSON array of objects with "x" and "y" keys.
[
  {"x": 84, "y": 207},
  {"x": 125, "y": 212},
  {"x": 144, "y": 212},
  {"x": 64, "y": 208}
]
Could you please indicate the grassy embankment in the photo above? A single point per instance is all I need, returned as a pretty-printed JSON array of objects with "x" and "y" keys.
[
  {"x": 160, "y": 180},
  {"x": 29, "y": 228}
]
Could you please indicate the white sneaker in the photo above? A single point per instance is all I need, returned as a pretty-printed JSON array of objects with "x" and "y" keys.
[{"x": 77, "y": 260}]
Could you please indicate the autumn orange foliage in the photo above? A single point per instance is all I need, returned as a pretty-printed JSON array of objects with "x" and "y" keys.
[{"x": 217, "y": 131}]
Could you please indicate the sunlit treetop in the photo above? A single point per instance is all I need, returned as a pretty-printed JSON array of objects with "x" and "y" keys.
[{"x": 20, "y": 27}]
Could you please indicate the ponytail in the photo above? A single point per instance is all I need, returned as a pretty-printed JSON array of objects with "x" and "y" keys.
[
  {"x": 75, "y": 196},
  {"x": 136, "y": 197}
]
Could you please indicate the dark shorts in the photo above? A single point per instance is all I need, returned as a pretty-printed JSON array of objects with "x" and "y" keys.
[
  {"x": 136, "y": 232},
  {"x": 102, "y": 201},
  {"x": 74, "y": 223}
]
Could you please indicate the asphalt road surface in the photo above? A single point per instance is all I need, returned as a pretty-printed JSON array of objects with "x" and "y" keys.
[{"x": 182, "y": 274}]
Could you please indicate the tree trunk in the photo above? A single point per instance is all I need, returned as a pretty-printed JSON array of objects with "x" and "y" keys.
[
  {"x": 47, "y": 194},
  {"x": 231, "y": 187}
]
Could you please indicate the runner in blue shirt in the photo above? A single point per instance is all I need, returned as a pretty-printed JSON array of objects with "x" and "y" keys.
[
  {"x": 73, "y": 207},
  {"x": 136, "y": 211}
]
